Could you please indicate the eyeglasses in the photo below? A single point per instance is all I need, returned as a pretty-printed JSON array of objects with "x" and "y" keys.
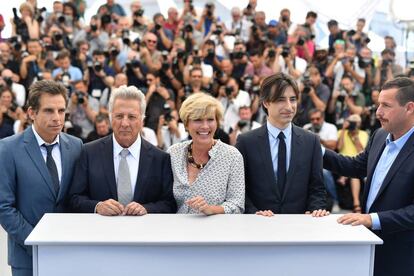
[
  {"x": 315, "y": 119},
  {"x": 196, "y": 76},
  {"x": 151, "y": 41}
]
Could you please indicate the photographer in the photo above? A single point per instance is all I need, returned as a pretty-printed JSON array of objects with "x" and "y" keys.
[
  {"x": 34, "y": 64},
  {"x": 102, "y": 128},
  {"x": 387, "y": 68},
  {"x": 8, "y": 61},
  {"x": 303, "y": 37},
  {"x": 286, "y": 61},
  {"x": 207, "y": 19},
  {"x": 95, "y": 33},
  {"x": 156, "y": 97},
  {"x": 352, "y": 141},
  {"x": 26, "y": 26},
  {"x": 370, "y": 121},
  {"x": 80, "y": 56},
  {"x": 250, "y": 11},
  {"x": 139, "y": 21},
  {"x": 238, "y": 26},
  {"x": 149, "y": 54},
  {"x": 239, "y": 60},
  {"x": 66, "y": 73},
  {"x": 244, "y": 125},
  {"x": 257, "y": 68},
  {"x": 194, "y": 85},
  {"x": 170, "y": 131},
  {"x": 345, "y": 63},
  {"x": 164, "y": 36},
  {"x": 172, "y": 21},
  {"x": 82, "y": 108},
  {"x": 215, "y": 39},
  {"x": 17, "y": 89},
  {"x": 334, "y": 34},
  {"x": 367, "y": 63},
  {"x": 358, "y": 37},
  {"x": 274, "y": 34},
  {"x": 99, "y": 74},
  {"x": 9, "y": 112},
  {"x": 328, "y": 136},
  {"x": 346, "y": 101},
  {"x": 232, "y": 98},
  {"x": 314, "y": 94}
]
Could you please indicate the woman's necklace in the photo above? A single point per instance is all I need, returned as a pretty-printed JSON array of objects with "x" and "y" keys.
[{"x": 191, "y": 160}]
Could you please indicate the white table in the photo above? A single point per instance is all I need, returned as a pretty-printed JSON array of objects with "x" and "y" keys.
[{"x": 90, "y": 244}]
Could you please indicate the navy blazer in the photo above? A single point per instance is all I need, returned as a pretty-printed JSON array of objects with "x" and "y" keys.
[
  {"x": 94, "y": 178},
  {"x": 26, "y": 189},
  {"x": 304, "y": 188},
  {"x": 394, "y": 202}
]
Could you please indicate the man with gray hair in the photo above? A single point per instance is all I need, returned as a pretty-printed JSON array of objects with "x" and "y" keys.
[{"x": 122, "y": 174}]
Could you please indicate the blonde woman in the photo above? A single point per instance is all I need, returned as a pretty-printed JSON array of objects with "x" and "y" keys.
[{"x": 208, "y": 174}]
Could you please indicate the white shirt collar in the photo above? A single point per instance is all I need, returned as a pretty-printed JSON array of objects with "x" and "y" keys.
[
  {"x": 134, "y": 149},
  {"x": 40, "y": 141}
]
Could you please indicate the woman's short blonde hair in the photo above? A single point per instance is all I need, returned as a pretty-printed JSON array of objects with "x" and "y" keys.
[
  {"x": 200, "y": 106},
  {"x": 27, "y": 6}
]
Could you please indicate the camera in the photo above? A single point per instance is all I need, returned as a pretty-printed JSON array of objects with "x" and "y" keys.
[
  {"x": 229, "y": 90},
  {"x": 342, "y": 95},
  {"x": 271, "y": 53},
  {"x": 218, "y": 30},
  {"x": 81, "y": 97},
  {"x": 15, "y": 41},
  {"x": 188, "y": 28},
  {"x": 210, "y": 53},
  {"x": 157, "y": 27},
  {"x": 364, "y": 62},
  {"x": 285, "y": 18},
  {"x": 8, "y": 81},
  {"x": 125, "y": 37},
  {"x": 97, "y": 67},
  {"x": 187, "y": 91},
  {"x": 94, "y": 27},
  {"x": 386, "y": 62},
  {"x": 301, "y": 41},
  {"x": 197, "y": 60},
  {"x": 61, "y": 19},
  {"x": 139, "y": 12},
  {"x": 113, "y": 51},
  {"x": 351, "y": 33},
  {"x": 242, "y": 123},
  {"x": 57, "y": 36},
  {"x": 237, "y": 55},
  {"x": 352, "y": 126},
  {"x": 307, "y": 83},
  {"x": 167, "y": 112},
  {"x": 285, "y": 51},
  {"x": 180, "y": 53}
]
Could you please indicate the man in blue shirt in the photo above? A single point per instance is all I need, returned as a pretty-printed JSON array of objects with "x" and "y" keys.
[
  {"x": 66, "y": 73},
  {"x": 387, "y": 163}
]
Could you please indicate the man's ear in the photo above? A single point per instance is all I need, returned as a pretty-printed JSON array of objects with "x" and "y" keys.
[
  {"x": 32, "y": 113},
  {"x": 410, "y": 107}
]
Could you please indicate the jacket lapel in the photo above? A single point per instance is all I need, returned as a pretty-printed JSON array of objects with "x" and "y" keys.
[
  {"x": 65, "y": 156},
  {"x": 266, "y": 156},
  {"x": 294, "y": 157},
  {"x": 107, "y": 157},
  {"x": 35, "y": 154},
  {"x": 145, "y": 160},
  {"x": 404, "y": 153}
]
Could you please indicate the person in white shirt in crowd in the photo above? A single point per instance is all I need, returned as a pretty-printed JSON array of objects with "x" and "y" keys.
[
  {"x": 244, "y": 125},
  {"x": 238, "y": 26},
  {"x": 232, "y": 98},
  {"x": 288, "y": 62},
  {"x": 18, "y": 90},
  {"x": 328, "y": 134},
  {"x": 170, "y": 131}
]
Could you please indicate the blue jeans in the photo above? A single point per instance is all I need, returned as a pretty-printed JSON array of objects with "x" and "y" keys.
[{"x": 330, "y": 184}]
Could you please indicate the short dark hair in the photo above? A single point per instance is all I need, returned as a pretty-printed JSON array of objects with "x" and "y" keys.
[
  {"x": 405, "y": 92},
  {"x": 39, "y": 88},
  {"x": 332, "y": 23},
  {"x": 315, "y": 110},
  {"x": 63, "y": 54},
  {"x": 100, "y": 117},
  {"x": 312, "y": 14},
  {"x": 273, "y": 87},
  {"x": 195, "y": 69}
]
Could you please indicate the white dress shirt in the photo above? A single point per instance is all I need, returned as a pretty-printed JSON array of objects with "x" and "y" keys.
[{"x": 132, "y": 160}]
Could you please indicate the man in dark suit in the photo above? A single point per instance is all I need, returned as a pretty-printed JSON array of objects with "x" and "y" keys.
[
  {"x": 388, "y": 195},
  {"x": 283, "y": 163},
  {"x": 35, "y": 171},
  {"x": 122, "y": 174}
]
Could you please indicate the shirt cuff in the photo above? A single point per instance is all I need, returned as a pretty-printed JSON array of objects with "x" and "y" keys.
[
  {"x": 323, "y": 150},
  {"x": 96, "y": 206},
  {"x": 376, "y": 224}
]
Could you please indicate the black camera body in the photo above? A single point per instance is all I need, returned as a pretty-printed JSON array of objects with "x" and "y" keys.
[
  {"x": 218, "y": 30},
  {"x": 139, "y": 13},
  {"x": 81, "y": 96},
  {"x": 271, "y": 53},
  {"x": 229, "y": 90},
  {"x": 285, "y": 51},
  {"x": 352, "y": 126}
]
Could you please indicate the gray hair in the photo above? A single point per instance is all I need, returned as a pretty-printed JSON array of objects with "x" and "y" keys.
[{"x": 128, "y": 93}]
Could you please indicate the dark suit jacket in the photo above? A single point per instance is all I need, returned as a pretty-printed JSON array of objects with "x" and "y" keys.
[
  {"x": 94, "y": 178},
  {"x": 26, "y": 189},
  {"x": 394, "y": 202},
  {"x": 304, "y": 188}
]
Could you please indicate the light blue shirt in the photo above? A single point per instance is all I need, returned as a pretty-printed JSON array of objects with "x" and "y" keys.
[
  {"x": 74, "y": 72},
  {"x": 388, "y": 156},
  {"x": 274, "y": 143},
  {"x": 55, "y": 151}
]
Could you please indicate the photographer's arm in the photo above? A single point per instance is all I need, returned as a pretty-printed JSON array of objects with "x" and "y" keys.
[
  {"x": 319, "y": 104},
  {"x": 330, "y": 70},
  {"x": 355, "y": 109},
  {"x": 332, "y": 102},
  {"x": 341, "y": 137},
  {"x": 292, "y": 71},
  {"x": 165, "y": 40},
  {"x": 348, "y": 68}
]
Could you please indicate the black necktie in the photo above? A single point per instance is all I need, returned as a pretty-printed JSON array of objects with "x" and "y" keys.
[
  {"x": 281, "y": 163},
  {"x": 51, "y": 166}
]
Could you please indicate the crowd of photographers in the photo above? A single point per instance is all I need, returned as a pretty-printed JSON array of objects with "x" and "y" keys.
[{"x": 170, "y": 57}]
